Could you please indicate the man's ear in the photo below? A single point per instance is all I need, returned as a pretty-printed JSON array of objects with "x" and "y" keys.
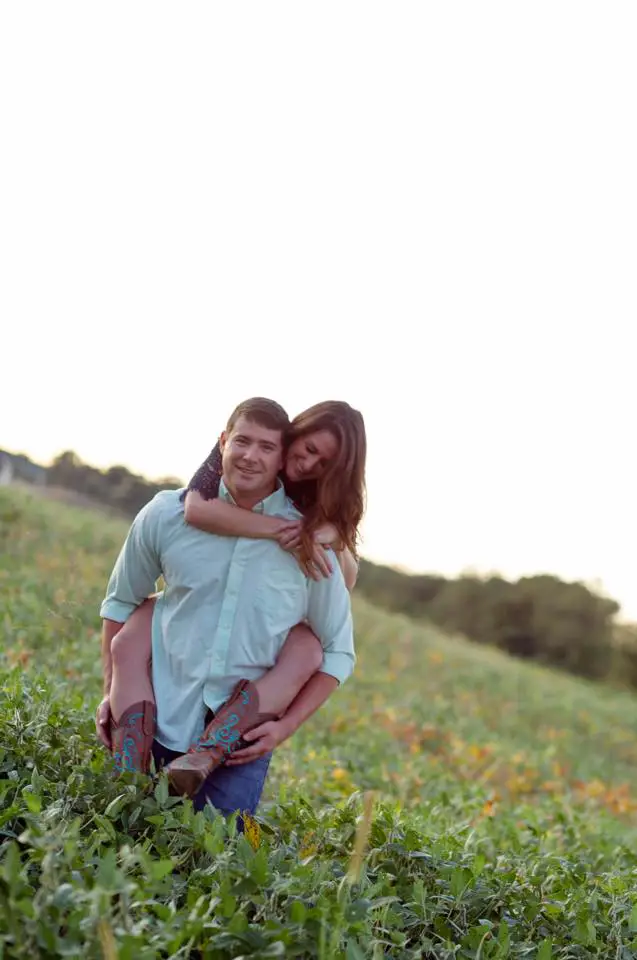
[{"x": 222, "y": 440}]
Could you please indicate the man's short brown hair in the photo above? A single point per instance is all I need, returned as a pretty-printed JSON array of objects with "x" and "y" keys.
[{"x": 267, "y": 413}]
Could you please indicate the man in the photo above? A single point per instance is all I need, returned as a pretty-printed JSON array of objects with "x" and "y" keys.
[{"x": 222, "y": 620}]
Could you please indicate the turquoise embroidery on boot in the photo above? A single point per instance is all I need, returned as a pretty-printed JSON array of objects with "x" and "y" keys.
[
  {"x": 224, "y": 735},
  {"x": 129, "y": 757}
]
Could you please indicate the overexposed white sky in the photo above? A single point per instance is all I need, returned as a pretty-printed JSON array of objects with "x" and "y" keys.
[{"x": 427, "y": 210}]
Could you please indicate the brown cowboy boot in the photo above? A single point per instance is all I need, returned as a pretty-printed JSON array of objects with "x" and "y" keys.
[
  {"x": 222, "y": 736},
  {"x": 132, "y": 737}
]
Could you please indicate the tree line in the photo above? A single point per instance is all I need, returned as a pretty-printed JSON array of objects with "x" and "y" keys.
[
  {"x": 116, "y": 487},
  {"x": 541, "y": 618}
]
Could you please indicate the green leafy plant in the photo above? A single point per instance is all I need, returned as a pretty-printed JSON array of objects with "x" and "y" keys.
[{"x": 448, "y": 802}]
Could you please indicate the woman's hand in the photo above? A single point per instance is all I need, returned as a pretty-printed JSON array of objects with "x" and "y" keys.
[
  {"x": 327, "y": 535},
  {"x": 317, "y": 565},
  {"x": 289, "y": 535}
]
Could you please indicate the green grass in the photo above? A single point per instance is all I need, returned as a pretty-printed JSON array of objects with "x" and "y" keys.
[{"x": 505, "y": 811}]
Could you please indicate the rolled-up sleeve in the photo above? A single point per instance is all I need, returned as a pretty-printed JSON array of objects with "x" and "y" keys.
[
  {"x": 330, "y": 617},
  {"x": 137, "y": 567}
]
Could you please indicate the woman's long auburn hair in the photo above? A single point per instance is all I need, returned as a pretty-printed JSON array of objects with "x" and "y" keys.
[{"x": 338, "y": 495}]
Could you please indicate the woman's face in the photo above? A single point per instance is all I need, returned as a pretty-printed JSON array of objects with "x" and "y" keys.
[{"x": 309, "y": 455}]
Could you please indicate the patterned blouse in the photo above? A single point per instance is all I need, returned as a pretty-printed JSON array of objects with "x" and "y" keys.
[{"x": 208, "y": 477}]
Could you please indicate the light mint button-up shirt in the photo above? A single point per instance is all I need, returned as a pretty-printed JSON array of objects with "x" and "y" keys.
[{"x": 225, "y": 612}]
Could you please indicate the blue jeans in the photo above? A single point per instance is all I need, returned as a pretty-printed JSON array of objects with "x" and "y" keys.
[{"x": 228, "y": 789}]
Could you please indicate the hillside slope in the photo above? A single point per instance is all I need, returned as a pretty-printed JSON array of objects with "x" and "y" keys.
[{"x": 515, "y": 786}]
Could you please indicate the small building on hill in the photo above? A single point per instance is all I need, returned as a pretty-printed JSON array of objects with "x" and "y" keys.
[{"x": 16, "y": 468}]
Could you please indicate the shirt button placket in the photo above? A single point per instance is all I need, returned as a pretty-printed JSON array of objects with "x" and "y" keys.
[{"x": 228, "y": 608}]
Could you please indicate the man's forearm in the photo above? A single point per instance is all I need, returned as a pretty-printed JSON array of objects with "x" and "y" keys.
[
  {"x": 308, "y": 700},
  {"x": 110, "y": 628}
]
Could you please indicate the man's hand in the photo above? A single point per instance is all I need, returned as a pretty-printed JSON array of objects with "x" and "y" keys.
[
  {"x": 103, "y": 722},
  {"x": 263, "y": 739}
]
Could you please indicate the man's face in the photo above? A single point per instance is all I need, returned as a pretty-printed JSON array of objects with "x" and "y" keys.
[{"x": 252, "y": 456}]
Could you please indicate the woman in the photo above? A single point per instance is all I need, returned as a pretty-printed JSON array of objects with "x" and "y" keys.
[{"x": 324, "y": 475}]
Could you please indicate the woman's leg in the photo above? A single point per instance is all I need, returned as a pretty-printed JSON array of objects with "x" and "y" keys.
[
  {"x": 131, "y": 652},
  {"x": 249, "y": 705},
  {"x": 133, "y": 711},
  {"x": 300, "y": 657}
]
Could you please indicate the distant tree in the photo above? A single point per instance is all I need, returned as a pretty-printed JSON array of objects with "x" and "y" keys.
[
  {"x": 543, "y": 618},
  {"x": 566, "y": 625},
  {"x": 117, "y": 486}
]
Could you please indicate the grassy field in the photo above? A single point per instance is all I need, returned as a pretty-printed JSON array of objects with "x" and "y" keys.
[{"x": 503, "y": 818}]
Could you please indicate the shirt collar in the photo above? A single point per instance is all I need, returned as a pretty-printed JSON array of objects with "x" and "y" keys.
[{"x": 269, "y": 505}]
